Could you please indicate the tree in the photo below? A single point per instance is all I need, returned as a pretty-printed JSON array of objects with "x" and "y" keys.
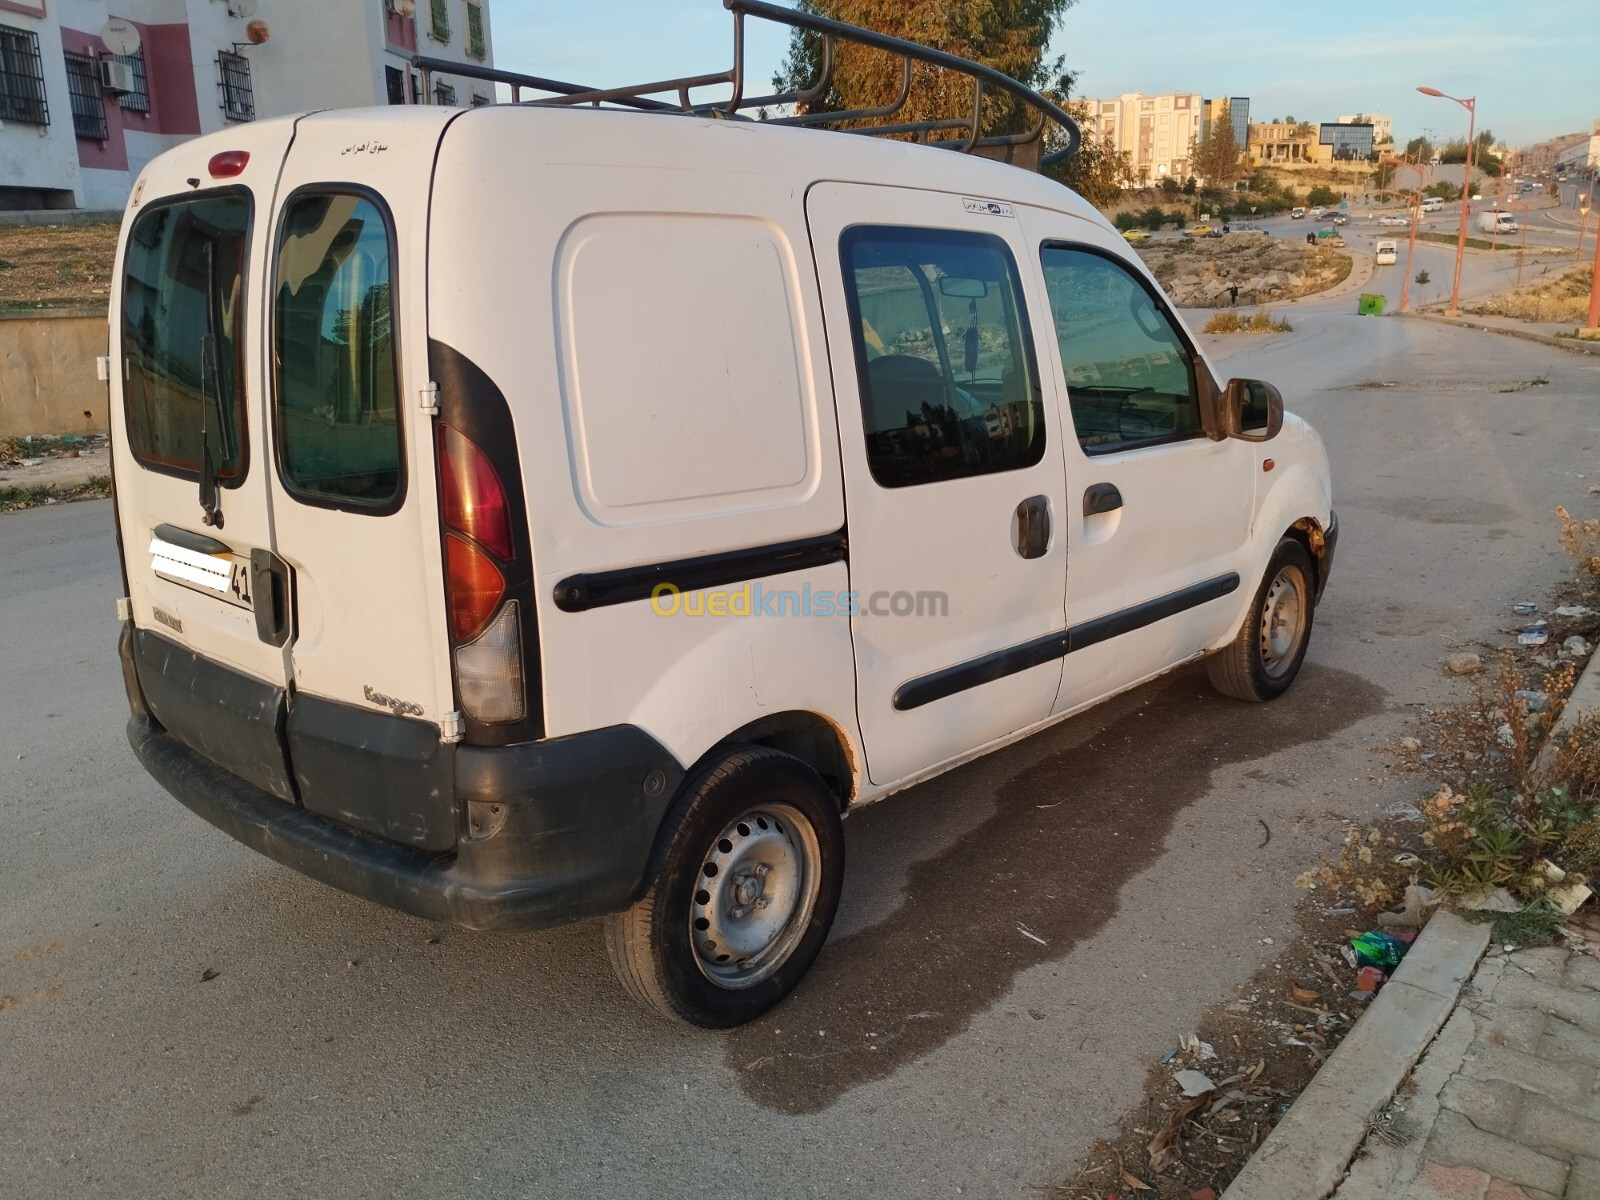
[
  {"x": 1322, "y": 194},
  {"x": 1215, "y": 157},
  {"x": 1419, "y": 148},
  {"x": 1008, "y": 35}
]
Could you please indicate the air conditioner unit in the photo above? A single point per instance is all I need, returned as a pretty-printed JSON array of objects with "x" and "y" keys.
[{"x": 116, "y": 76}]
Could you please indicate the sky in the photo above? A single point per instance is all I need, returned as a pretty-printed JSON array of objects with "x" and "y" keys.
[{"x": 1533, "y": 65}]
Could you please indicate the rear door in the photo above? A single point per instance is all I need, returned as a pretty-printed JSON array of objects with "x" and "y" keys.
[
  {"x": 351, "y": 476},
  {"x": 192, "y": 458},
  {"x": 952, "y": 469}
]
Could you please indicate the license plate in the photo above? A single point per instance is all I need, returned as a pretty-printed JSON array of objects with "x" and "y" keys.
[{"x": 225, "y": 576}]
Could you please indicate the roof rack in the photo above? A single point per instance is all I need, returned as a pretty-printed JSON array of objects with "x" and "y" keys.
[{"x": 1023, "y": 147}]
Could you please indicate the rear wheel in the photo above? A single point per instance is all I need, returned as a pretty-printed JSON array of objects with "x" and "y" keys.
[
  {"x": 744, "y": 896},
  {"x": 1266, "y": 653}
]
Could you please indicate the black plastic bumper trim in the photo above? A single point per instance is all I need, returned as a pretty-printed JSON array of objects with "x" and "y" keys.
[
  {"x": 1330, "y": 543},
  {"x": 947, "y": 682}
]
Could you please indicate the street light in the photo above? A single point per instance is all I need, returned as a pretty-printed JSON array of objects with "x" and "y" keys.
[
  {"x": 1470, "y": 104},
  {"x": 1583, "y": 227}
]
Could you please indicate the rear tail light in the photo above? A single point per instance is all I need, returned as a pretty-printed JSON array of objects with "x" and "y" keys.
[
  {"x": 476, "y": 587},
  {"x": 477, "y": 547},
  {"x": 489, "y": 671},
  {"x": 474, "y": 501}
]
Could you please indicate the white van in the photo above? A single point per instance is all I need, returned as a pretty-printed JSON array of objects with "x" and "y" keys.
[
  {"x": 1432, "y": 203},
  {"x": 1497, "y": 221},
  {"x": 537, "y": 512},
  {"x": 1385, "y": 253}
]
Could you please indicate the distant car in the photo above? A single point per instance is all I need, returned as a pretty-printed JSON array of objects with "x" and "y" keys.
[
  {"x": 1198, "y": 231},
  {"x": 1527, "y": 187},
  {"x": 1298, "y": 214},
  {"x": 1317, "y": 210},
  {"x": 1338, "y": 218},
  {"x": 1246, "y": 227},
  {"x": 1135, "y": 235},
  {"x": 1393, "y": 219}
]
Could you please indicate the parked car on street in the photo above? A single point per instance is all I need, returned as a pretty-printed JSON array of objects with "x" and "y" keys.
[
  {"x": 1392, "y": 219},
  {"x": 508, "y": 606}
]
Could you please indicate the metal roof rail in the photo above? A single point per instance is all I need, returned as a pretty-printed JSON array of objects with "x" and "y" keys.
[{"x": 1024, "y": 146}]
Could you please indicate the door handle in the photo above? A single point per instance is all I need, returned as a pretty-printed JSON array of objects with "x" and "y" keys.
[
  {"x": 271, "y": 597},
  {"x": 1101, "y": 498},
  {"x": 1033, "y": 527}
]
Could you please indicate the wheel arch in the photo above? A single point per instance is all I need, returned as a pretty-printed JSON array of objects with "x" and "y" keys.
[{"x": 812, "y": 738}]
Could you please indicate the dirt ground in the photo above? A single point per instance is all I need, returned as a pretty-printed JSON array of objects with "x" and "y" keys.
[
  {"x": 1263, "y": 1047},
  {"x": 1563, "y": 297},
  {"x": 1197, "y": 272},
  {"x": 55, "y": 266}
]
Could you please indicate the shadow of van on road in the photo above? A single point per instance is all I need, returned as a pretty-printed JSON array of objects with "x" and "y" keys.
[{"x": 953, "y": 947}]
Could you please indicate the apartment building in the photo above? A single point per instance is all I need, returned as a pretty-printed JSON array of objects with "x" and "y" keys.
[
  {"x": 92, "y": 90},
  {"x": 1155, "y": 131},
  {"x": 1281, "y": 143}
]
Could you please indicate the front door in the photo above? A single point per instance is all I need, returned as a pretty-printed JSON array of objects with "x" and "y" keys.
[
  {"x": 1158, "y": 514},
  {"x": 952, "y": 471}
]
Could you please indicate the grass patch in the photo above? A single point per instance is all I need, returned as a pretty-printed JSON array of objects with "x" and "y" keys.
[
  {"x": 1230, "y": 320},
  {"x": 1477, "y": 243},
  {"x": 1536, "y": 925},
  {"x": 14, "y": 499}
]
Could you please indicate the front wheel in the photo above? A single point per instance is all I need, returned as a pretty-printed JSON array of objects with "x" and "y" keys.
[
  {"x": 1265, "y": 655},
  {"x": 744, "y": 896}
]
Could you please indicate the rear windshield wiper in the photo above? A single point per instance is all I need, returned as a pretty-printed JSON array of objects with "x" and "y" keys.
[{"x": 210, "y": 394}]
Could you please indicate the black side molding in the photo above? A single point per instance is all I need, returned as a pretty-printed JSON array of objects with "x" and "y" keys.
[
  {"x": 947, "y": 682},
  {"x": 578, "y": 593}
]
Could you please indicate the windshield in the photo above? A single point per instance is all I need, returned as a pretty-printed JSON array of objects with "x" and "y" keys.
[{"x": 182, "y": 282}]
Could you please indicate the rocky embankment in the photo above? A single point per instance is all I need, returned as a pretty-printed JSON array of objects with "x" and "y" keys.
[{"x": 1198, "y": 272}]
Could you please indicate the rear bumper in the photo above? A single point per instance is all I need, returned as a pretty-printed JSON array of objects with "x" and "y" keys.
[{"x": 552, "y": 831}]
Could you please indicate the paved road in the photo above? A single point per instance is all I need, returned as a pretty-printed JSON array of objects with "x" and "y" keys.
[{"x": 935, "y": 1051}]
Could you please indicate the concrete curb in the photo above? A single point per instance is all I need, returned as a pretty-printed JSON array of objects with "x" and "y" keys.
[
  {"x": 1570, "y": 345},
  {"x": 1305, "y": 1157}
]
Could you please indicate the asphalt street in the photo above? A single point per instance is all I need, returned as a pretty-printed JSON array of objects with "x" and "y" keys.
[{"x": 180, "y": 1017}]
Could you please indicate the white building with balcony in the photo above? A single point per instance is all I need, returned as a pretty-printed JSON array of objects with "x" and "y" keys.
[{"x": 78, "y": 121}]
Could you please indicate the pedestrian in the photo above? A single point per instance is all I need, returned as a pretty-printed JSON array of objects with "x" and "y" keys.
[{"x": 1233, "y": 295}]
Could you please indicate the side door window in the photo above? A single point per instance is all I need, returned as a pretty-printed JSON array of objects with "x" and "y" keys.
[
  {"x": 949, "y": 386},
  {"x": 1130, "y": 376},
  {"x": 336, "y": 383}
]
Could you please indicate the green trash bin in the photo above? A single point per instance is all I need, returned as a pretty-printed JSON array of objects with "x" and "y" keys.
[{"x": 1371, "y": 305}]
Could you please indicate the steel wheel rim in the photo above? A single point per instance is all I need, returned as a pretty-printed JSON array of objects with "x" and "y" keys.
[
  {"x": 1283, "y": 621},
  {"x": 754, "y": 895}
]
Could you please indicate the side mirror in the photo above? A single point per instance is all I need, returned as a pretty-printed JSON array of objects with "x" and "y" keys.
[{"x": 1251, "y": 410}]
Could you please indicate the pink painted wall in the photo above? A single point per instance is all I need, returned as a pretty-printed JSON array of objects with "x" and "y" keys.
[
  {"x": 168, "y": 59},
  {"x": 111, "y": 154}
]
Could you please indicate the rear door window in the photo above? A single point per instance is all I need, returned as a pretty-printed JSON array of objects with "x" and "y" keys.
[
  {"x": 336, "y": 384},
  {"x": 183, "y": 335}
]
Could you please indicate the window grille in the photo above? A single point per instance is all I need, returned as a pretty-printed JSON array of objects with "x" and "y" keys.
[
  {"x": 21, "y": 78},
  {"x": 137, "y": 100},
  {"x": 444, "y": 94},
  {"x": 233, "y": 79},
  {"x": 476, "y": 45},
  {"x": 439, "y": 22},
  {"x": 83, "y": 89}
]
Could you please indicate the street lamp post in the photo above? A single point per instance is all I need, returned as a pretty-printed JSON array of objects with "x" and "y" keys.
[
  {"x": 1414, "y": 211},
  {"x": 1592, "y": 329},
  {"x": 1470, "y": 104},
  {"x": 1583, "y": 226}
]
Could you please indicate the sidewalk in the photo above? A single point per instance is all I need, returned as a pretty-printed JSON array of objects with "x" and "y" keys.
[
  {"x": 1505, "y": 1105},
  {"x": 1543, "y": 331}
]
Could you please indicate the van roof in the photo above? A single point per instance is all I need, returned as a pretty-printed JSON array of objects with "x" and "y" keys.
[{"x": 609, "y": 138}]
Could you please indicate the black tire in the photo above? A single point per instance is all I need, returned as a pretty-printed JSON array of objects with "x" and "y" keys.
[
  {"x": 754, "y": 856},
  {"x": 1261, "y": 662}
]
